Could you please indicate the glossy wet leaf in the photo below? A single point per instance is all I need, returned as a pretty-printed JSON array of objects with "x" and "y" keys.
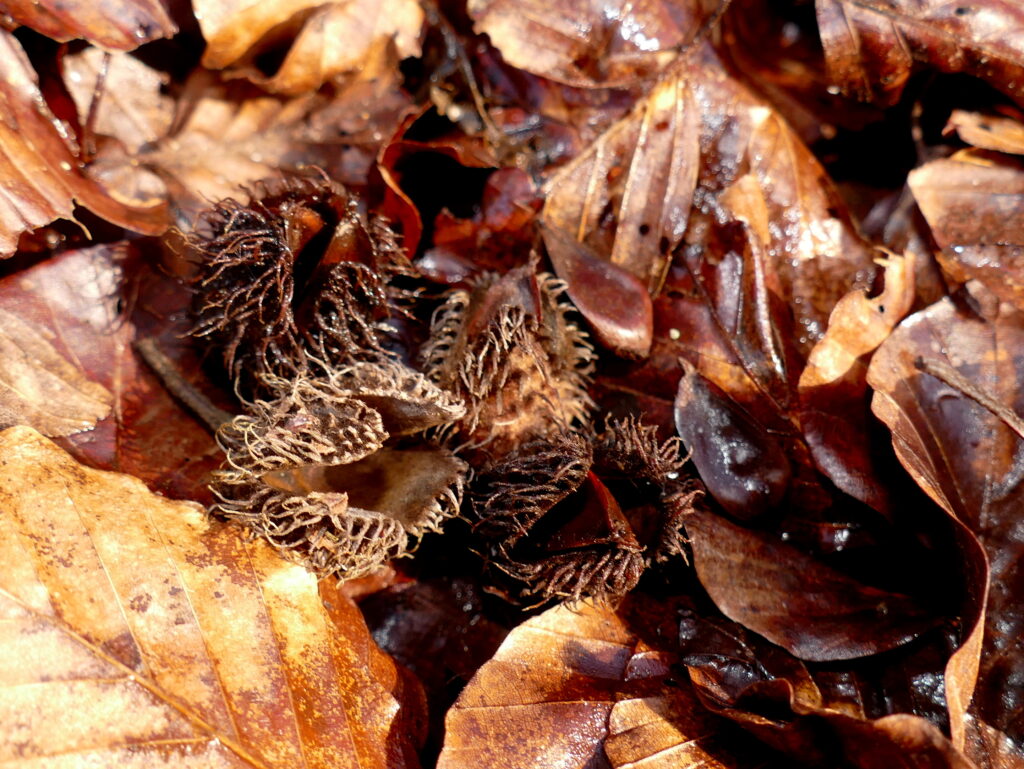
[
  {"x": 807, "y": 607},
  {"x": 971, "y": 202},
  {"x": 873, "y": 46},
  {"x": 590, "y": 43},
  {"x": 139, "y": 633}
]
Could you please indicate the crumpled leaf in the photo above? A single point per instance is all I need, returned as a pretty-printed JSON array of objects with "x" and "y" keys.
[
  {"x": 121, "y": 25},
  {"x": 700, "y": 140},
  {"x": 803, "y": 605},
  {"x": 321, "y": 40},
  {"x": 590, "y": 43},
  {"x": 815, "y": 714},
  {"x": 872, "y": 46},
  {"x": 41, "y": 167},
  {"x": 139, "y": 634},
  {"x": 578, "y": 688},
  {"x": 967, "y": 459},
  {"x": 971, "y": 202}
]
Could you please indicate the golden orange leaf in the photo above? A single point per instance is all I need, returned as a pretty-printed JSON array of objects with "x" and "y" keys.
[{"x": 137, "y": 634}]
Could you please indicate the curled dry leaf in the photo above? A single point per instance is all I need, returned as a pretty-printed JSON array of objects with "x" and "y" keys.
[
  {"x": 139, "y": 634},
  {"x": 815, "y": 714},
  {"x": 578, "y": 688},
  {"x": 833, "y": 384},
  {"x": 872, "y": 46},
  {"x": 966, "y": 457},
  {"x": 41, "y": 166},
  {"x": 660, "y": 180},
  {"x": 120, "y": 25},
  {"x": 803, "y": 605},
  {"x": 322, "y": 40},
  {"x": 972, "y": 203},
  {"x": 593, "y": 43},
  {"x": 988, "y": 132}
]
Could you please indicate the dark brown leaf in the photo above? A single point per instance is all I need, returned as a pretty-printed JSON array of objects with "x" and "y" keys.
[
  {"x": 967, "y": 459},
  {"x": 872, "y": 46},
  {"x": 805, "y": 606},
  {"x": 593, "y": 43}
]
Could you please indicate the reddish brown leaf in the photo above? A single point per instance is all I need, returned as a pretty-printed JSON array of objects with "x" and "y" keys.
[
  {"x": 74, "y": 299},
  {"x": 144, "y": 635},
  {"x": 814, "y": 714},
  {"x": 120, "y": 25},
  {"x": 590, "y": 43},
  {"x": 872, "y": 46},
  {"x": 40, "y": 165},
  {"x": 972, "y": 201},
  {"x": 805, "y": 606},
  {"x": 578, "y": 688},
  {"x": 967, "y": 459},
  {"x": 615, "y": 303}
]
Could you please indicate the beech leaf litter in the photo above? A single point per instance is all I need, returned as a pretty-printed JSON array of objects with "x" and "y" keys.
[{"x": 506, "y": 383}]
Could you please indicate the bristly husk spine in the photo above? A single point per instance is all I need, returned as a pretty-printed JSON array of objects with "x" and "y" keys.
[
  {"x": 282, "y": 451},
  {"x": 521, "y": 495},
  {"x": 522, "y": 374},
  {"x": 294, "y": 273}
]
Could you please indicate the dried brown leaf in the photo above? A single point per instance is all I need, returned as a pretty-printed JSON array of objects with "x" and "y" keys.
[
  {"x": 578, "y": 688},
  {"x": 140, "y": 634},
  {"x": 967, "y": 458},
  {"x": 40, "y": 387},
  {"x": 972, "y": 203},
  {"x": 121, "y": 25},
  {"x": 73, "y": 298},
  {"x": 322, "y": 40},
  {"x": 41, "y": 166},
  {"x": 872, "y": 46},
  {"x": 589, "y": 43},
  {"x": 833, "y": 385},
  {"x": 701, "y": 149},
  {"x": 988, "y": 132}
]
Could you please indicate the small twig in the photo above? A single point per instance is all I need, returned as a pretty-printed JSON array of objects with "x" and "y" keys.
[
  {"x": 89, "y": 129},
  {"x": 948, "y": 375},
  {"x": 181, "y": 389}
]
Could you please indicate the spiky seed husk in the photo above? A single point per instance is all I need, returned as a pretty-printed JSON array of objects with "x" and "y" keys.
[
  {"x": 292, "y": 273},
  {"x": 310, "y": 471},
  {"x": 538, "y": 528},
  {"x": 509, "y": 349}
]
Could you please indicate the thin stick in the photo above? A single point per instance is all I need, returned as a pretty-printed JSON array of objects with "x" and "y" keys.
[
  {"x": 177, "y": 386},
  {"x": 947, "y": 374}
]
